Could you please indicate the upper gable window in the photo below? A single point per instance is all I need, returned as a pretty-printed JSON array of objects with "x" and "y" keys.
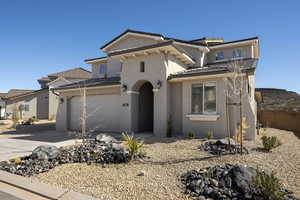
[
  {"x": 103, "y": 69},
  {"x": 142, "y": 66},
  {"x": 237, "y": 53},
  {"x": 220, "y": 55}
]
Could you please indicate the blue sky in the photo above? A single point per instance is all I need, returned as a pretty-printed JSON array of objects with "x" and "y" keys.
[{"x": 42, "y": 37}]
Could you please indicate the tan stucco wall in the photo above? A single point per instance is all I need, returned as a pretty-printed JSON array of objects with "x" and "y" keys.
[
  {"x": 201, "y": 128},
  {"x": 113, "y": 68},
  {"x": 131, "y": 41}
]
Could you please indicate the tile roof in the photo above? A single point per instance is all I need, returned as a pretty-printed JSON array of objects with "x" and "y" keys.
[
  {"x": 92, "y": 83},
  {"x": 216, "y": 68},
  {"x": 76, "y": 73},
  {"x": 161, "y": 44},
  {"x": 17, "y": 92},
  {"x": 73, "y": 73}
]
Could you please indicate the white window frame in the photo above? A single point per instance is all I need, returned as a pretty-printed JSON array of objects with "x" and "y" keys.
[
  {"x": 204, "y": 116},
  {"x": 101, "y": 65},
  {"x": 216, "y": 56},
  {"x": 203, "y": 93},
  {"x": 235, "y": 50}
]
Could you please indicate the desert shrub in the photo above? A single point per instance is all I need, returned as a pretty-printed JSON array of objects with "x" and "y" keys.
[
  {"x": 267, "y": 186},
  {"x": 191, "y": 135},
  {"x": 270, "y": 143},
  {"x": 34, "y": 119},
  {"x": 16, "y": 160},
  {"x": 134, "y": 145},
  {"x": 210, "y": 135},
  {"x": 15, "y": 118},
  {"x": 52, "y": 118},
  {"x": 240, "y": 136},
  {"x": 169, "y": 127}
]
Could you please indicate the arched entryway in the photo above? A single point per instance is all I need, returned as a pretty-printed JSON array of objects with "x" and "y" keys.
[{"x": 145, "y": 108}]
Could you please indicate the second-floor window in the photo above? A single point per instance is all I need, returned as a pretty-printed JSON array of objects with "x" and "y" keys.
[
  {"x": 237, "y": 53},
  {"x": 220, "y": 55},
  {"x": 103, "y": 69}
]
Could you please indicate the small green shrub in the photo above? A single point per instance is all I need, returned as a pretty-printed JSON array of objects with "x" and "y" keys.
[
  {"x": 169, "y": 127},
  {"x": 52, "y": 118},
  {"x": 16, "y": 160},
  {"x": 267, "y": 186},
  {"x": 33, "y": 118},
  {"x": 210, "y": 135},
  {"x": 270, "y": 143},
  {"x": 134, "y": 146},
  {"x": 191, "y": 135}
]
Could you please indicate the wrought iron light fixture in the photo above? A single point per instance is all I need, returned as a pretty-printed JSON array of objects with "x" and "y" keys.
[
  {"x": 124, "y": 87},
  {"x": 158, "y": 84}
]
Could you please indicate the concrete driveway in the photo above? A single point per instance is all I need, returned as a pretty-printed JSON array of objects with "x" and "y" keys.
[{"x": 20, "y": 142}]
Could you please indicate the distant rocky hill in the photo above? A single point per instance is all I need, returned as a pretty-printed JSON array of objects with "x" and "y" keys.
[{"x": 278, "y": 99}]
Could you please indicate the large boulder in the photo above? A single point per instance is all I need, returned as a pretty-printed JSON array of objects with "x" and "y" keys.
[
  {"x": 105, "y": 138},
  {"x": 45, "y": 152}
]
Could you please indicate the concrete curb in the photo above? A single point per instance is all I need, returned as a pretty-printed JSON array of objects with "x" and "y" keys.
[{"x": 41, "y": 189}]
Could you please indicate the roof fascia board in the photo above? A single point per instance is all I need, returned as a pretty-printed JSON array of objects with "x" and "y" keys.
[
  {"x": 205, "y": 49},
  {"x": 88, "y": 88},
  {"x": 201, "y": 77},
  {"x": 96, "y": 60}
]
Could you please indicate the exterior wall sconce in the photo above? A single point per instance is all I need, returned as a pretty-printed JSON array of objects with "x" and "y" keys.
[
  {"x": 158, "y": 84},
  {"x": 61, "y": 100},
  {"x": 124, "y": 87}
]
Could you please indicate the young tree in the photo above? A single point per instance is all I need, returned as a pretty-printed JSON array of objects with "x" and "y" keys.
[{"x": 235, "y": 93}]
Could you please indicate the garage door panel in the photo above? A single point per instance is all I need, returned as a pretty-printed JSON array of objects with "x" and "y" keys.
[{"x": 102, "y": 113}]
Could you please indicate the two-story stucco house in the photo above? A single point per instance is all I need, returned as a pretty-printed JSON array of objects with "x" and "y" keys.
[{"x": 148, "y": 80}]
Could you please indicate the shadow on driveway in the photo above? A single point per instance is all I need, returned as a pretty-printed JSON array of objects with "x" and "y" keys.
[{"x": 44, "y": 132}]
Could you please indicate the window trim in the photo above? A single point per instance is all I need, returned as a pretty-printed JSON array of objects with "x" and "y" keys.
[
  {"x": 233, "y": 53},
  {"x": 216, "y": 56},
  {"x": 203, "y": 103},
  {"x": 102, "y": 64}
]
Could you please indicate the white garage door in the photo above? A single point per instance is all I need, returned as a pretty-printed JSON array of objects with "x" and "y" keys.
[{"x": 102, "y": 113}]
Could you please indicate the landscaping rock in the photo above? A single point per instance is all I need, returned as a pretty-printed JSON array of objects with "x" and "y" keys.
[
  {"x": 222, "y": 182},
  {"x": 45, "y": 152},
  {"x": 106, "y": 138},
  {"x": 46, "y": 157},
  {"x": 221, "y": 147}
]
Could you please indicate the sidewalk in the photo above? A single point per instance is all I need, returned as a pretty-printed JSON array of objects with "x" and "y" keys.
[{"x": 14, "y": 187}]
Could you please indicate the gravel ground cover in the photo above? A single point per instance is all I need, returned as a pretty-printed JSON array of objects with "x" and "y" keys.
[{"x": 169, "y": 159}]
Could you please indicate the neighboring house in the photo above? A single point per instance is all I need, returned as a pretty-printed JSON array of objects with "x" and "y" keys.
[
  {"x": 148, "y": 80},
  {"x": 27, "y": 103},
  {"x": 58, "y": 79},
  {"x": 2, "y": 105},
  {"x": 42, "y": 103}
]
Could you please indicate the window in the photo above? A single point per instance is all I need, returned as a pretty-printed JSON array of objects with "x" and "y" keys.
[
  {"x": 237, "y": 53},
  {"x": 142, "y": 67},
  {"x": 26, "y": 107},
  {"x": 220, "y": 55},
  {"x": 204, "y": 98},
  {"x": 103, "y": 69}
]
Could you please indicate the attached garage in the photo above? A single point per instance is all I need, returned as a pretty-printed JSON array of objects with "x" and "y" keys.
[{"x": 102, "y": 112}]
